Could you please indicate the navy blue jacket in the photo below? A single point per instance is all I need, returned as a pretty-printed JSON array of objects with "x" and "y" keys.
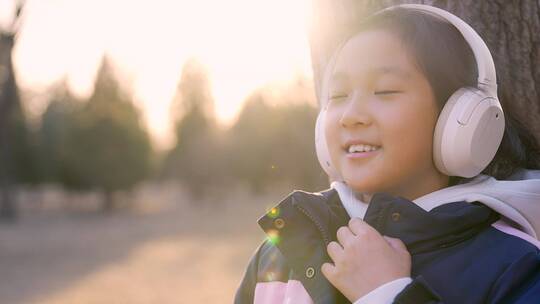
[{"x": 461, "y": 252}]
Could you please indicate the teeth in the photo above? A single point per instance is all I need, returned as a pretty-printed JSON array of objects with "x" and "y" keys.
[{"x": 362, "y": 148}]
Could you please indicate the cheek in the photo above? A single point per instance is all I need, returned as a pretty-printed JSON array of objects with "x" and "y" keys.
[
  {"x": 333, "y": 138},
  {"x": 409, "y": 134}
]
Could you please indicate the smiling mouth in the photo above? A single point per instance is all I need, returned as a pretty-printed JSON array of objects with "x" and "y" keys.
[
  {"x": 355, "y": 152},
  {"x": 360, "y": 149}
]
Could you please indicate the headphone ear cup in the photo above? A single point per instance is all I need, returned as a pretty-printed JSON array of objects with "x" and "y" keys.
[
  {"x": 321, "y": 148},
  {"x": 468, "y": 133}
]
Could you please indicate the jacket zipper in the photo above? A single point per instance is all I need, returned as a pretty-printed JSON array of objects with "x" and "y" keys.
[{"x": 323, "y": 233}]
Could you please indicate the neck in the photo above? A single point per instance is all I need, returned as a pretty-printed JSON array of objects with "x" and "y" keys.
[{"x": 412, "y": 191}]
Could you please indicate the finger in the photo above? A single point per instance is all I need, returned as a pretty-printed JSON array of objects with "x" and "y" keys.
[
  {"x": 335, "y": 251},
  {"x": 360, "y": 228},
  {"x": 395, "y": 243},
  {"x": 344, "y": 236},
  {"x": 329, "y": 271}
]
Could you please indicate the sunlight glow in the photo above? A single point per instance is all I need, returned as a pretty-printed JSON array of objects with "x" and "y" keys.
[{"x": 245, "y": 44}]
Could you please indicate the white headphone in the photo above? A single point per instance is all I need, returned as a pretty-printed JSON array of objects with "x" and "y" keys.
[{"x": 470, "y": 127}]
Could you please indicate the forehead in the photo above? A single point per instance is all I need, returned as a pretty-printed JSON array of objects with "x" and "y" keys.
[{"x": 373, "y": 53}]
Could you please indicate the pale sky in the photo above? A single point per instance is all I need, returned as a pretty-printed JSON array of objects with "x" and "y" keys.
[{"x": 244, "y": 44}]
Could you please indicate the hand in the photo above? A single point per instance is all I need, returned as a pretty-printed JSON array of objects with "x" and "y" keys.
[{"x": 364, "y": 260}]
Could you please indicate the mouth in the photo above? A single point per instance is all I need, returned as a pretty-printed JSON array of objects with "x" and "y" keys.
[{"x": 361, "y": 150}]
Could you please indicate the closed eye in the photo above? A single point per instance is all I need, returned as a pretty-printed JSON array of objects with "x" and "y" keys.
[
  {"x": 387, "y": 92},
  {"x": 338, "y": 96}
]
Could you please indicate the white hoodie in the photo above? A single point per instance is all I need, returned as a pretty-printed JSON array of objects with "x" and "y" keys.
[{"x": 517, "y": 198}]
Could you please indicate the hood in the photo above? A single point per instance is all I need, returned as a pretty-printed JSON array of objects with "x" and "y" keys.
[{"x": 517, "y": 198}]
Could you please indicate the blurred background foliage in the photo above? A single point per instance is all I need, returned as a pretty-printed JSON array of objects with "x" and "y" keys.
[
  {"x": 271, "y": 141},
  {"x": 101, "y": 143}
]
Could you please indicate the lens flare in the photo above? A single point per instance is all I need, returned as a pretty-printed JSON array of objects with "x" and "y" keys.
[
  {"x": 270, "y": 276},
  {"x": 273, "y": 237},
  {"x": 273, "y": 213}
]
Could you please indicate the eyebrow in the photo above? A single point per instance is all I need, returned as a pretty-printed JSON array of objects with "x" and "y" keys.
[{"x": 374, "y": 73}]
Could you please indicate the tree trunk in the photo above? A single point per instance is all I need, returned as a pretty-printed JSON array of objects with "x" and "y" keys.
[
  {"x": 8, "y": 100},
  {"x": 511, "y": 30},
  {"x": 7, "y": 206},
  {"x": 108, "y": 201}
]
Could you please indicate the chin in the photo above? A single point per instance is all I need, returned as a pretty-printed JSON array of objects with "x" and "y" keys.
[
  {"x": 362, "y": 183},
  {"x": 362, "y": 188}
]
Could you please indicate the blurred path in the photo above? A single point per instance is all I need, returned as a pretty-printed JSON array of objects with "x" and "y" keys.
[{"x": 164, "y": 250}]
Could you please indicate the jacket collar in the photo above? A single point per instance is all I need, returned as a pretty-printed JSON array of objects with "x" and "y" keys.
[
  {"x": 514, "y": 197},
  {"x": 422, "y": 230}
]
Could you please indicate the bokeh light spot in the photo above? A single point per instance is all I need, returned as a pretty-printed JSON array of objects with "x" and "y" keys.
[
  {"x": 273, "y": 213},
  {"x": 273, "y": 237}
]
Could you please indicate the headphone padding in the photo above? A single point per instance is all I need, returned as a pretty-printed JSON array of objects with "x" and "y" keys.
[{"x": 468, "y": 133}]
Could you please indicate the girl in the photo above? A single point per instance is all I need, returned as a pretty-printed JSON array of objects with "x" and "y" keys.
[{"x": 422, "y": 209}]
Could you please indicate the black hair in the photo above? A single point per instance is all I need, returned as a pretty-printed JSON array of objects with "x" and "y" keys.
[{"x": 446, "y": 59}]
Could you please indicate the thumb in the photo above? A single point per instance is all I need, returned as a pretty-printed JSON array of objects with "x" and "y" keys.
[{"x": 328, "y": 270}]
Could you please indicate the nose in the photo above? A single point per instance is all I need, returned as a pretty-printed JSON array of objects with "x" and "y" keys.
[{"x": 355, "y": 112}]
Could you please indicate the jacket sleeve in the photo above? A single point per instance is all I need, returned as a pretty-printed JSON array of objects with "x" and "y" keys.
[
  {"x": 520, "y": 282},
  {"x": 246, "y": 291},
  {"x": 418, "y": 292},
  {"x": 385, "y": 293}
]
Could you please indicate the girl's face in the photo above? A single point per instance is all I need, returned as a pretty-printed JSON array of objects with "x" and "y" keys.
[{"x": 380, "y": 98}]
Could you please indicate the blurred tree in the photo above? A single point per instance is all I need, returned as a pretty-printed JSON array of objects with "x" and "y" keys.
[
  {"x": 56, "y": 123},
  {"x": 273, "y": 140},
  {"x": 299, "y": 160},
  {"x": 252, "y": 150},
  {"x": 196, "y": 159},
  {"x": 106, "y": 146},
  {"x": 15, "y": 157}
]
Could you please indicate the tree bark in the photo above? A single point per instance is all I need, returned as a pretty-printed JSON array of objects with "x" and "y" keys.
[
  {"x": 511, "y": 30},
  {"x": 8, "y": 103}
]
